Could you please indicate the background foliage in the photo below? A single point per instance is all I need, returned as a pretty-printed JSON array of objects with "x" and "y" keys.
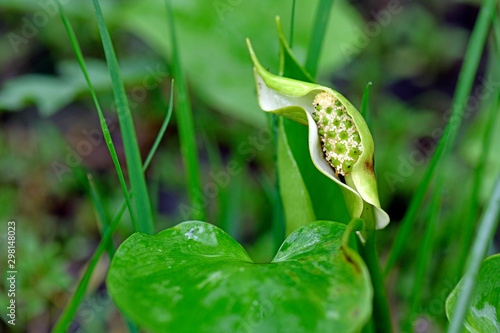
[{"x": 49, "y": 130}]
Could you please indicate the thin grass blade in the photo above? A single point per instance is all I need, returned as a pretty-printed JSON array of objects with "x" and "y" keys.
[
  {"x": 163, "y": 128},
  {"x": 132, "y": 154},
  {"x": 289, "y": 65},
  {"x": 425, "y": 252},
  {"x": 364, "y": 103},
  {"x": 464, "y": 86},
  {"x": 185, "y": 123},
  {"x": 100, "y": 214},
  {"x": 216, "y": 165},
  {"x": 486, "y": 230},
  {"x": 69, "y": 312},
  {"x": 474, "y": 207},
  {"x": 292, "y": 23},
  {"x": 104, "y": 126},
  {"x": 317, "y": 36},
  {"x": 103, "y": 220}
]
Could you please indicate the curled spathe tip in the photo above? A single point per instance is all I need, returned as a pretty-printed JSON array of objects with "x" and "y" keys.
[{"x": 296, "y": 100}]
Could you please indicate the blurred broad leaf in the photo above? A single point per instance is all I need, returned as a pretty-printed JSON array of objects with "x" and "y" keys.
[
  {"x": 212, "y": 43},
  {"x": 195, "y": 278},
  {"x": 51, "y": 93},
  {"x": 484, "y": 313}
]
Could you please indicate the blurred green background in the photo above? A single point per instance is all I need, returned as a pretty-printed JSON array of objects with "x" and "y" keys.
[{"x": 50, "y": 133}]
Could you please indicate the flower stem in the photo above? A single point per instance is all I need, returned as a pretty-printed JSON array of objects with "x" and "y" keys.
[{"x": 381, "y": 313}]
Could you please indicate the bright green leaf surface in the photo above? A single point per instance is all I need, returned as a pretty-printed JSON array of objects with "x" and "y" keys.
[
  {"x": 484, "y": 313},
  {"x": 195, "y": 278},
  {"x": 296, "y": 201}
]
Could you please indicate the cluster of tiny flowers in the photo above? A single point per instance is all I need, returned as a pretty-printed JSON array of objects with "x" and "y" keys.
[{"x": 339, "y": 137}]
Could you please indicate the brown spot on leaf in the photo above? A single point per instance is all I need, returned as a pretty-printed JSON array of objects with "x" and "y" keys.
[
  {"x": 369, "y": 166},
  {"x": 349, "y": 259}
]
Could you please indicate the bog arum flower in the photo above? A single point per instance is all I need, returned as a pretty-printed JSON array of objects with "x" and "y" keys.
[{"x": 340, "y": 142}]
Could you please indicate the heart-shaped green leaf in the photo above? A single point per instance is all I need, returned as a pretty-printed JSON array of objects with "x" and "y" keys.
[
  {"x": 484, "y": 311},
  {"x": 195, "y": 278}
]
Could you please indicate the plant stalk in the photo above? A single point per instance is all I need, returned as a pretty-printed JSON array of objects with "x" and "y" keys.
[{"x": 368, "y": 251}]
